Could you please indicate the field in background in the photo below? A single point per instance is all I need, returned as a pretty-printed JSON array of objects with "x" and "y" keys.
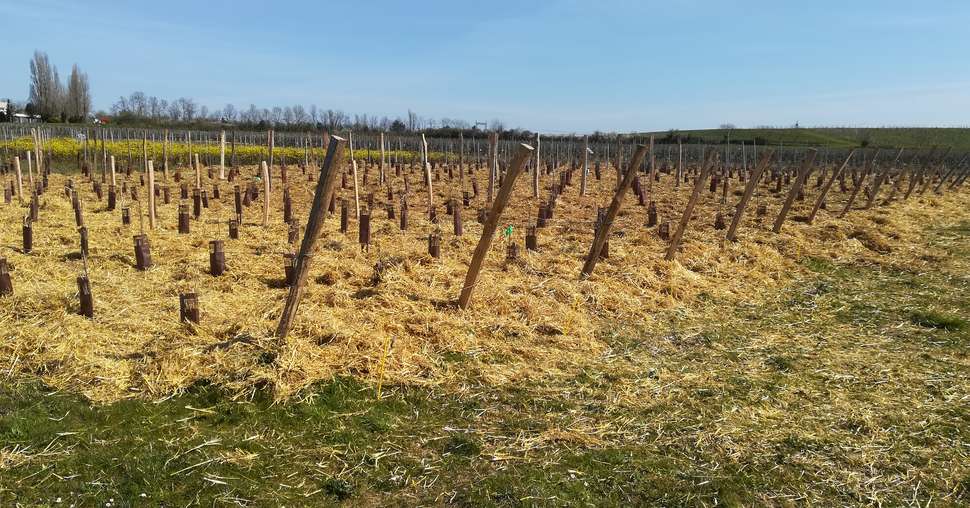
[{"x": 836, "y": 137}]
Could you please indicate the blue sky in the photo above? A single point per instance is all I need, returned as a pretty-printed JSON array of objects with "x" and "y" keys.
[{"x": 552, "y": 66}]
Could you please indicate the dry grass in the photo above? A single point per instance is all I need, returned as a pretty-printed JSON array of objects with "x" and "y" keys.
[{"x": 531, "y": 319}]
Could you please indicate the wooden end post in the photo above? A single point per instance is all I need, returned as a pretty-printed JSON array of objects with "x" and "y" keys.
[
  {"x": 603, "y": 232},
  {"x": 522, "y": 155},
  {"x": 755, "y": 177},
  {"x": 698, "y": 185},
  {"x": 331, "y": 166},
  {"x": 803, "y": 172},
  {"x": 827, "y": 186}
]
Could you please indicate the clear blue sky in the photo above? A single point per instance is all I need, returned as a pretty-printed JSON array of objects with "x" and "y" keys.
[{"x": 553, "y": 66}]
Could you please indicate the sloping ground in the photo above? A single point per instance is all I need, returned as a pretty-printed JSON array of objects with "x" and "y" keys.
[
  {"x": 845, "y": 385},
  {"x": 532, "y": 319},
  {"x": 835, "y": 137}
]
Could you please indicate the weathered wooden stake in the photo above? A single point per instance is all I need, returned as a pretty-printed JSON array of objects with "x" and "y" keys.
[
  {"x": 151, "y": 195},
  {"x": 331, "y": 166},
  {"x": 189, "y": 308},
  {"x": 86, "y": 300},
  {"x": 603, "y": 231},
  {"x": 265, "y": 193},
  {"x": 748, "y": 192},
  {"x": 6, "y": 285},
  {"x": 698, "y": 186},
  {"x": 803, "y": 172},
  {"x": 859, "y": 185},
  {"x": 522, "y": 155},
  {"x": 828, "y": 185},
  {"x": 217, "y": 258}
]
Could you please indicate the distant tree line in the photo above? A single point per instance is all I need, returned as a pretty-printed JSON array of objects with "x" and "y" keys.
[{"x": 141, "y": 109}]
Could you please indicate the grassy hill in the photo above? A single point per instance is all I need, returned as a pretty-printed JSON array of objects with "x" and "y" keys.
[{"x": 907, "y": 137}]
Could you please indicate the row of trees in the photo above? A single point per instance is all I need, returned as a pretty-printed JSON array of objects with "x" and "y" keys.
[
  {"x": 50, "y": 98},
  {"x": 141, "y": 108}
]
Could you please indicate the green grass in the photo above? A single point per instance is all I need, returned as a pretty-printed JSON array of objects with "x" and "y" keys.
[
  {"x": 889, "y": 137},
  {"x": 932, "y": 319},
  {"x": 832, "y": 393}
]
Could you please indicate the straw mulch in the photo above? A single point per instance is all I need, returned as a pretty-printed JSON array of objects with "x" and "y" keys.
[{"x": 531, "y": 318}]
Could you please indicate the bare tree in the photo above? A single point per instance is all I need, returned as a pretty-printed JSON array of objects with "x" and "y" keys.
[
  {"x": 187, "y": 108},
  {"x": 46, "y": 91},
  {"x": 229, "y": 113},
  {"x": 78, "y": 95}
]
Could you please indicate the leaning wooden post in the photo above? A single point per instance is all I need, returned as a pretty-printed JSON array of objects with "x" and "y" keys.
[
  {"x": 827, "y": 186},
  {"x": 653, "y": 168},
  {"x": 318, "y": 213},
  {"x": 936, "y": 170},
  {"x": 879, "y": 179},
  {"x": 383, "y": 161},
  {"x": 222, "y": 154},
  {"x": 113, "y": 179},
  {"x": 30, "y": 173},
  {"x": 151, "y": 195},
  {"x": 198, "y": 172},
  {"x": 522, "y": 155},
  {"x": 20, "y": 179},
  {"x": 265, "y": 193},
  {"x": 586, "y": 152},
  {"x": 916, "y": 175},
  {"x": 603, "y": 232},
  {"x": 803, "y": 172},
  {"x": 353, "y": 164},
  {"x": 535, "y": 174},
  {"x": 492, "y": 163},
  {"x": 858, "y": 187},
  {"x": 698, "y": 185},
  {"x": 753, "y": 180},
  {"x": 427, "y": 173}
]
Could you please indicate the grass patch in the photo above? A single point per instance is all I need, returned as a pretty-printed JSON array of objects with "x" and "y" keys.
[{"x": 940, "y": 321}]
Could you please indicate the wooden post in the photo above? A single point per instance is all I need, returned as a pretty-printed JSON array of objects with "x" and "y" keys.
[
  {"x": 383, "y": 161},
  {"x": 318, "y": 213},
  {"x": 936, "y": 169},
  {"x": 20, "y": 179},
  {"x": 748, "y": 192},
  {"x": 198, "y": 172},
  {"x": 353, "y": 164},
  {"x": 586, "y": 152},
  {"x": 427, "y": 172},
  {"x": 879, "y": 180},
  {"x": 603, "y": 232},
  {"x": 492, "y": 163},
  {"x": 916, "y": 175},
  {"x": 653, "y": 168},
  {"x": 522, "y": 155},
  {"x": 165, "y": 155},
  {"x": 30, "y": 173},
  {"x": 265, "y": 193},
  {"x": 151, "y": 195},
  {"x": 222, "y": 154},
  {"x": 827, "y": 186},
  {"x": 535, "y": 174},
  {"x": 698, "y": 185},
  {"x": 803, "y": 172},
  {"x": 858, "y": 186}
]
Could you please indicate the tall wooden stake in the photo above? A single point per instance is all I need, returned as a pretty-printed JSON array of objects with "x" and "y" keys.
[
  {"x": 698, "y": 185},
  {"x": 603, "y": 232},
  {"x": 803, "y": 172},
  {"x": 318, "y": 213},
  {"x": 827, "y": 186},
  {"x": 522, "y": 155},
  {"x": 748, "y": 192}
]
